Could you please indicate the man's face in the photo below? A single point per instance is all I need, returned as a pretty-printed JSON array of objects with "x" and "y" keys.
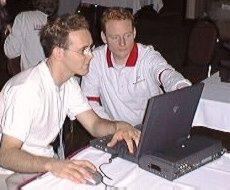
[
  {"x": 119, "y": 36},
  {"x": 78, "y": 55}
]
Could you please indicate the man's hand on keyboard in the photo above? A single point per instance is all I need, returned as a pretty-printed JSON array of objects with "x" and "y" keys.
[{"x": 127, "y": 132}]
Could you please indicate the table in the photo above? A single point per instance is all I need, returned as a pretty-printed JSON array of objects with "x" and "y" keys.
[
  {"x": 214, "y": 106},
  {"x": 127, "y": 175},
  {"x": 135, "y": 5}
]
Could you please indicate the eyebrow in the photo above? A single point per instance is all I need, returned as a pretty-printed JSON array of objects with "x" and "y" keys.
[
  {"x": 119, "y": 35},
  {"x": 84, "y": 47}
]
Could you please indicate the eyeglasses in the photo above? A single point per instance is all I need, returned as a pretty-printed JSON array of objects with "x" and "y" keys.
[
  {"x": 117, "y": 39},
  {"x": 84, "y": 51}
]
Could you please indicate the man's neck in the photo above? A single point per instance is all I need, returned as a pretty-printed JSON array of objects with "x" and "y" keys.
[
  {"x": 120, "y": 60},
  {"x": 57, "y": 72}
]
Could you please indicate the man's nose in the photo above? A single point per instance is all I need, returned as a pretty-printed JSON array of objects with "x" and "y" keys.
[
  {"x": 122, "y": 41},
  {"x": 89, "y": 56}
]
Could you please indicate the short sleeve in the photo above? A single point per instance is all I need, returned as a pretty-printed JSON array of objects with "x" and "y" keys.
[
  {"x": 157, "y": 64},
  {"x": 77, "y": 102},
  {"x": 18, "y": 112},
  {"x": 163, "y": 73}
]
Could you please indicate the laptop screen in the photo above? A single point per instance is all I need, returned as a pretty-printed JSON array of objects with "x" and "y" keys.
[{"x": 168, "y": 118}]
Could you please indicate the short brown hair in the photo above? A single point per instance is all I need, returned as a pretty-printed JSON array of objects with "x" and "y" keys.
[
  {"x": 116, "y": 13},
  {"x": 56, "y": 33}
]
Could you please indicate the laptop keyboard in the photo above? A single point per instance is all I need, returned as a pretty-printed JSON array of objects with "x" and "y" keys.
[{"x": 121, "y": 148}]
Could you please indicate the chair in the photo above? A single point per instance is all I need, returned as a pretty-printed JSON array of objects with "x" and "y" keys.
[
  {"x": 225, "y": 65},
  {"x": 200, "y": 51}
]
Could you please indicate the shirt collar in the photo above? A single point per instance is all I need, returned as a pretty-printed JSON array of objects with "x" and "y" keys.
[
  {"x": 132, "y": 59},
  {"x": 48, "y": 76}
]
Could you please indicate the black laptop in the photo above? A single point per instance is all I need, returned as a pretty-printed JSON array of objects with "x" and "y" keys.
[{"x": 166, "y": 126}]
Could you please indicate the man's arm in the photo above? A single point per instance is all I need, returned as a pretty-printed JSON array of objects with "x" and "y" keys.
[
  {"x": 163, "y": 73},
  {"x": 14, "y": 158},
  {"x": 101, "y": 127},
  {"x": 172, "y": 80}
]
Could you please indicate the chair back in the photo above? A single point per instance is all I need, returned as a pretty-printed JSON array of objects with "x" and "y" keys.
[{"x": 202, "y": 41}]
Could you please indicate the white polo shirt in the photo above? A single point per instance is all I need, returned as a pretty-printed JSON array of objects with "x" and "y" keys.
[
  {"x": 24, "y": 40},
  {"x": 124, "y": 90},
  {"x": 35, "y": 108}
]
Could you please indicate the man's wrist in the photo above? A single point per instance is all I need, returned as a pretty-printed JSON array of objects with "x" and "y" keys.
[
  {"x": 120, "y": 125},
  {"x": 49, "y": 164},
  {"x": 115, "y": 126}
]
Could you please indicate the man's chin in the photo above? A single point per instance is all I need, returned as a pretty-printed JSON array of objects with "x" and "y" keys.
[{"x": 82, "y": 73}]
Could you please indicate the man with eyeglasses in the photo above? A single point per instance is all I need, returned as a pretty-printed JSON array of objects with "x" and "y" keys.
[
  {"x": 35, "y": 103},
  {"x": 124, "y": 74}
]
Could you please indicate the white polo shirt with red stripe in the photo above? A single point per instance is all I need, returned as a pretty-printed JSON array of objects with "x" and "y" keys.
[{"x": 121, "y": 92}]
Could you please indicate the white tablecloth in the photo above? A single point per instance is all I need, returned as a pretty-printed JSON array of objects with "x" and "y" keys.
[
  {"x": 133, "y": 4},
  {"x": 212, "y": 176},
  {"x": 214, "y": 107}
]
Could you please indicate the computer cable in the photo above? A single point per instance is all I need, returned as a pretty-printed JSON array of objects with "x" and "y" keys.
[{"x": 104, "y": 174}]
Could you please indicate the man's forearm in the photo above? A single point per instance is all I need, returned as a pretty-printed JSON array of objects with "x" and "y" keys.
[
  {"x": 107, "y": 127},
  {"x": 99, "y": 127},
  {"x": 104, "y": 127},
  {"x": 21, "y": 161}
]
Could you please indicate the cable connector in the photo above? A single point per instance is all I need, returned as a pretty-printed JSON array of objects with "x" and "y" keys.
[{"x": 112, "y": 157}]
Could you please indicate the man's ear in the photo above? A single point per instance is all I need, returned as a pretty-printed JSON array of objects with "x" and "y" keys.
[
  {"x": 134, "y": 32},
  {"x": 103, "y": 37},
  {"x": 58, "y": 52}
]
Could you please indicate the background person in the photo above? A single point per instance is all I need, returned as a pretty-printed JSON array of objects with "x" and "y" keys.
[{"x": 24, "y": 39}]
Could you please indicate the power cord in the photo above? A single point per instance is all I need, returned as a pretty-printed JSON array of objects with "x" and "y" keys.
[{"x": 104, "y": 174}]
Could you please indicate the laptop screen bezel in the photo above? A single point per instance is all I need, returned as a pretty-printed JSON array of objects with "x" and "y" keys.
[{"x": 190, "y": 96}]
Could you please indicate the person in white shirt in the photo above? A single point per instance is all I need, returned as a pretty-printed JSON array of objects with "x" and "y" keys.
[
  {"x": 24, "y": 38},
  {"x": 124, "y": 74},
  {"x": 36, "y": 102}
]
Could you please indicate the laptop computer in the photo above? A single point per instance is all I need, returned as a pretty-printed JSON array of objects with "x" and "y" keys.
[
  {"x": 168, "y": 118},
  {"x": 165, "y": 146}
]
